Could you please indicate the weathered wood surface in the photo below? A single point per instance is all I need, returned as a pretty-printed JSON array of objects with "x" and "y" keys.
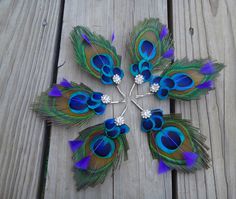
[
  {"x": 28, "y": 32},
  {"x": 28, "y": 47},
  {"x": 137, "y": 177},
  {"x": 214, "y": 33}
]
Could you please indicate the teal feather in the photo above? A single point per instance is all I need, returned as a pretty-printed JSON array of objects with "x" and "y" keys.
[
  {"x": 88, "y": 46},
  {"x": 58, "y": 109},
  {"x": 187, "y": 80},
  {"x": 98, "y": 166},
  {"x": 158, "y": 49},
  {"x": 192, "y": 145}
]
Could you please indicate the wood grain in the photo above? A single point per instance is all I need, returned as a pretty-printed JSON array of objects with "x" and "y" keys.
[
  {"x": 28, "y": 31},
  {"x": 203, "y": 29},
  {"x": 137, "y": 177}
]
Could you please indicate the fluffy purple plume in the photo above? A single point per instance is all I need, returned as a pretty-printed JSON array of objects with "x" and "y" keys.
[
  {"x": 83, "y": 163},
  {"x": 75, "y": 145},
  {"x": 112, "y": 37},
  {"x": 86, "y": 38},
  {"x": 190, "y": 158},
  {"x": 65, "y": 83},
  {"x": 164, "y": 32},
  {"x": 162, "y": 167},
  {"x": 206, "y": 85},
  {"x": 169, "y": 53},
  {"x": 207, "y": 68},
  {"x": 54, "y": 92}
]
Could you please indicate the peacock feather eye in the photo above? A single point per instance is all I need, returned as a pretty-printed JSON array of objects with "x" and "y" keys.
[
  {"x": 102, "y": 146},
  {"x": 169, "y": 139}
]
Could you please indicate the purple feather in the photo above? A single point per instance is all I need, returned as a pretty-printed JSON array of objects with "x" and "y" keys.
[
  {"x": 54, "y": 92},
  {"x": 207, "y": 68},
  {"x": 86, "y": 38},
  {"x": 162, "y": 168},
  {"x": 163, "y": 33},
  {"x": 190, "y": 158},
  {"x": 83, "y": 163},
  {"x": 206, "y": 85},
  {"x": 112, "y": 37},
  {"x": 65, "y": 83},
  {"x": 75, "y": 145},
  {"x": 169, "y": 53}
]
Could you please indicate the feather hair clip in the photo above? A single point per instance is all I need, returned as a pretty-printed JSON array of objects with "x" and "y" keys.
[
  {"x": 150, "y": 48},
  {"x": 97, "y": 150},
  {"x": 97, "y": 56},
  {"x": 185, "y": 80},
  {"x": 174, "y": 141},
  {"x": 71, "y": 104}
]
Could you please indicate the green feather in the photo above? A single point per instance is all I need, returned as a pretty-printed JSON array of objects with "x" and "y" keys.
[
  {"x": 55, "y": 109},
  {"x": 192, "y": 68},
  {"x": 85, "y": 51},
  {"x": 91, "y": 176},
  {"x": 196, "y": 144},
  {"x": 142, "y": 31}
]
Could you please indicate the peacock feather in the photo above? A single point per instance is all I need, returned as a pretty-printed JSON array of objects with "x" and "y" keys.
[
  {"x": 70, "y": 104},
  {"x": 186, "y": 80},
  {"x": 151, "y": 48},
  {"x": 96, "y": 151},
  {"x": 175, "y": 142},
  {"x": 96, "y": 55}
]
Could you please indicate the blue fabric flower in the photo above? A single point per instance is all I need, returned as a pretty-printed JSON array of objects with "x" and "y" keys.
[
  {"x": 104, "y": 64},
  {"x": 108, "y": 72},
  {"x": 143, "y": 68},
  {"x": 95, "y": 103},
  {"x": 112, "y": 130},
  {"x": 153, "y": 123}
]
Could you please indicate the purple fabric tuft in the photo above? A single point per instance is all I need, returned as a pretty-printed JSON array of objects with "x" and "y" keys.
[
  {"x": 163, "y": 33},
  {"x": 54, "y": 92},
  {"x": 112, "y": 37},
  {"x": 169, "y": 53},
  {"x": 162, "y": 167},
  {"x": 75, "y": 145},
  {"x": 206, "y": 85},
  {"x": 65, "y": 83},
  {"x": 83, "y": 163},
  {"x": 86, "y": 38},
  {"x": 190, "y": 158},
  {"x": 207, "y": 68}
]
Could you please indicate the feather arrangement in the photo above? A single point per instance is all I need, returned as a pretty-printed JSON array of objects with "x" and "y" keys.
[
  {"x": 174, "y": 142},
  {"x": 71, "y": 104},
  {"x": 185, "y": 80},
  {"x": 151, "y": 49},
  {"x": 97, "y": 150},
  {"x": 96, "y": 55}
]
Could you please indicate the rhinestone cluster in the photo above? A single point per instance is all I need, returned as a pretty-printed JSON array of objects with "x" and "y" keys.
[
  {"x": 116, "y": 79},
  {"x": 106, "y": 99},
  {"x": 146, "y": 114},
  {"x": 154, "y": 87},
  {"x": 119, "y": 121},
  {"x": 139, "y": 79}
]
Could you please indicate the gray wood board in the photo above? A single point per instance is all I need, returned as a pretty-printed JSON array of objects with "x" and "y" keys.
[
  {"x": 137, "y": 177},
  {"x": 28, "y": 32},
  {"x": 213, "y": 26}
]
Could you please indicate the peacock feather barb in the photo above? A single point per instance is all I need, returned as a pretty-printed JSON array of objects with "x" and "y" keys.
[
  {"x": 97, "y": 150},
  {"x": 71, "y": 104},
  {"x": 174, "y": 142},
  {"x": 96, "y": 55}
]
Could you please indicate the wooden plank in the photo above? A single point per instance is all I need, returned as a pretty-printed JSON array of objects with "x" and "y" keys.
[
  {"x": 213, "y": 24},
  {"x": 137, "y": 177},
  {"x": 28, "y": 32}
]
